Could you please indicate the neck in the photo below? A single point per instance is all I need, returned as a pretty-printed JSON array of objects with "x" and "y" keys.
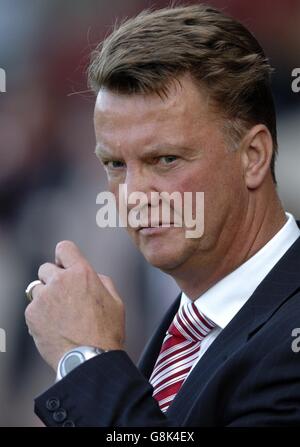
[{"x": 260, "y": 224}]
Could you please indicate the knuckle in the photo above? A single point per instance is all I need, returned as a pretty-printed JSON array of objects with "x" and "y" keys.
[
  {"x": 83, "y": 269},
  {"x": 63, "y": 245},
  {"x": 57, "y": 278},
  {"x": 42, "y": 268},
  {"x": 37, "y": 293},
  {"x": 29, "y": 313}
]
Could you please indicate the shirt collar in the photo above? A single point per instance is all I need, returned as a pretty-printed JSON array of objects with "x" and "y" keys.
[{"x": 222, "y": 301}]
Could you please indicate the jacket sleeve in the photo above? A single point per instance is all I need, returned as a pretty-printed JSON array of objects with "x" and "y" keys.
[{"x": 105, "y": 391}]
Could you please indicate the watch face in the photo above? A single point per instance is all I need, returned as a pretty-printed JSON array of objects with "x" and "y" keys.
[
  {"x": 71, "y": 361},
  {"x": 76, "y": 357}
]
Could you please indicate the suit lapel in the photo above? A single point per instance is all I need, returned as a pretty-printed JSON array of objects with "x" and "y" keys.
[{"x": 279, "y": 285}]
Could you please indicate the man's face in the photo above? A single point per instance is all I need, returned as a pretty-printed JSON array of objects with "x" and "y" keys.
[{"x": 172, "y": 144}]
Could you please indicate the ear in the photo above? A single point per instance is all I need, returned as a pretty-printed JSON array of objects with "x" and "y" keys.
[{"x": 257, "y": 150}]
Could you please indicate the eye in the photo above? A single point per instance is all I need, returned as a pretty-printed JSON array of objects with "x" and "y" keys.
[
  {"x": 168, "y": 159},
  {"x": 113, "y": 164}
]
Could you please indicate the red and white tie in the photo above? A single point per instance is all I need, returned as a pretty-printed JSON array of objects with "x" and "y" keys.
[{"x": 179, "y": 351}]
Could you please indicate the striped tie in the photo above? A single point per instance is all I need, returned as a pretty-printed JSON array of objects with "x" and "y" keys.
[{"x": 179, "y": 351}]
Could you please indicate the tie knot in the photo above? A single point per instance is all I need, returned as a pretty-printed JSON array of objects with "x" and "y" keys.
[{"x": 190, "y": 324}]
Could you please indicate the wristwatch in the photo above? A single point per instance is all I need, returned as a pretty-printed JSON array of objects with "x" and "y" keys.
[{"x": 74, "y": 358}]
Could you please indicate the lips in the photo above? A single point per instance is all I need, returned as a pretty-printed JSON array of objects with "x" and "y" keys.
[{"x": 160, "y": 225}]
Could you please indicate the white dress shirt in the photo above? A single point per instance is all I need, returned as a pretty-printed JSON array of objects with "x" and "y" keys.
[{"x": 222, "y": 301}]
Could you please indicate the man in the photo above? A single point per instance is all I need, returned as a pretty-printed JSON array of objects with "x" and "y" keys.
[{"x": 183, "y": 104}]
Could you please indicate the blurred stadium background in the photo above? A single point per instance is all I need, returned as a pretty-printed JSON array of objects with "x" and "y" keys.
[{"x": 49, "y": 177}]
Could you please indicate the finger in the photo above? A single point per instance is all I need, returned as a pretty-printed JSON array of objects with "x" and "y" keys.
[
  {"x": 36, "y": 291},
  {"x": 109, "y": 285},
  {"x": 67, "y": 254},
  {"x": 47, "y": 271}
]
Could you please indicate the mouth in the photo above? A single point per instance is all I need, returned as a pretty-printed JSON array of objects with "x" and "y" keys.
[
  {"x": 152, "y": 230},
  {"x": 160, "y": 225}
]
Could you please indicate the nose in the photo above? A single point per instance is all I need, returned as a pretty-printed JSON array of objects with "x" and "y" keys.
[{"x": 139, "y": 182}]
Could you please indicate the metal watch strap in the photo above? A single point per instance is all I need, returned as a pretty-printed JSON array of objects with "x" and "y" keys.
[{"x": 74, "y": 358}]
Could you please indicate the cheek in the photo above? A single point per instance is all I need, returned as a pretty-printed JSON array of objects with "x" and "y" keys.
[
  {"x": 194, "y": 180},
  {"x": 208, "y": 179},
  {"x": 114, "y": 187}
]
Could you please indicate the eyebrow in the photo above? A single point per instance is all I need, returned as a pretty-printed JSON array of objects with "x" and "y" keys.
[
  {"x": 151, "y": 152},
  {"x": 101, "y": 151},
  {"x": 167, "y": 148}
]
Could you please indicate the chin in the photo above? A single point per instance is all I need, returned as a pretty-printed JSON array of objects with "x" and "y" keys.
[{"x": 164, "y": 259}]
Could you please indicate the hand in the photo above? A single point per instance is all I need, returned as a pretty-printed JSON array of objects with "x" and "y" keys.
[{"x": 75, "y": 306}]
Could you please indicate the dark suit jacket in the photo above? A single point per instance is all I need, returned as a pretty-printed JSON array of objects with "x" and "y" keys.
[{"x": 249, "y": 376}]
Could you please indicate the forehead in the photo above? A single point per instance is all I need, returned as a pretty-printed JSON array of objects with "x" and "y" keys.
[{"x": 145, "y": 119}]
